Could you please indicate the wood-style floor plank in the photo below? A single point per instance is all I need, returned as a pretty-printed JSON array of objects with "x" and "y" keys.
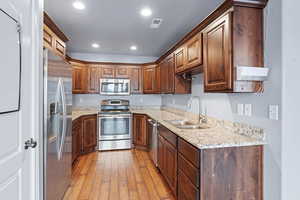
[{"x": 117, "y": 175}]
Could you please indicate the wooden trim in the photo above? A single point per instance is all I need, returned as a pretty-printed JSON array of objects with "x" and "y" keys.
[{"x": 50, "y": 23}]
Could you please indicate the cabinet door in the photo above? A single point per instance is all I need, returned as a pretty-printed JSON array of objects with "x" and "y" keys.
[
  {"x": 89, "y": 136},
  {"x": 170, "y": 172},
  {"x": 136, "y": 77},
  {"x": 157, "y": 80},
  {"x": 60, "y": 47},
  {"x": 149, "y": 78},
  {"x": 140, "y": 136},
  {"x": 122, "y": 72},
  {"x": 164, "y": 71},
  {"x": 179, "y": 55},
  {"x": 93, "y": 75},
  {"x": 108, "y": 71},
  {"x": 171, "y": 74},
  {"x": 76, "y": 139},
  {"x": 48, "y": 37},
  {"x": 79, "y": 79},
  {"x": 217, "y": 54},
  {"x": 160, "y": 154},
  {"x": 194, "y": 52}
]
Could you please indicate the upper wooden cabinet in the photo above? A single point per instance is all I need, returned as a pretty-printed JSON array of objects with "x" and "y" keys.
[
  {"x": 136, "y": 80},
  {"x": 217, "y": 52},
  {"x": 188, "y": 57},
  {"x": 54, "y": 39},
  {"x": 157, "y": 80},
  {"x": 94, "y": 72},
  {"x": 149, "y": 79},
  {"x": 108, "y": 71},
  {"x": 79, "y": 78},
  {"x": 234, "y": 39},
  {"x": 170, "y": 82},
  {"x": 122, "y": 72}
]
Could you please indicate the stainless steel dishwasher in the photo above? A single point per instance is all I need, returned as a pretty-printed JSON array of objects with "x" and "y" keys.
[{"x": 153, "y": 134}]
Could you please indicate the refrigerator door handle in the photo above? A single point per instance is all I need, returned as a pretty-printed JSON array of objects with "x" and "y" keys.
[{"x": 64, "y": 118}]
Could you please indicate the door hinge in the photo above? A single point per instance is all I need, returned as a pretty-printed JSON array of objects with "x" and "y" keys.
[{"x": 30, "y": 143}]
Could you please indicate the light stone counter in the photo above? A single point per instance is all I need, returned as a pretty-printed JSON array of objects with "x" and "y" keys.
[{"x": 220, "y": 134}]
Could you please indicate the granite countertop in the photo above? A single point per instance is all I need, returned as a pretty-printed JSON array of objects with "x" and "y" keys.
[{"x": 217, "y": 136}]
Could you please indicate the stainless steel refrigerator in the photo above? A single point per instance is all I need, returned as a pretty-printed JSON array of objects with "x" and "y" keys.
[{"x": 57, "y": 126}]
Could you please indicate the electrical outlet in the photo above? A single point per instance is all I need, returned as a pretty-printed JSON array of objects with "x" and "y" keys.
[
  {"x": 240, "y": 109},
  {"x": 274, "y": 112},
  {"x": 248, "y": 110}
]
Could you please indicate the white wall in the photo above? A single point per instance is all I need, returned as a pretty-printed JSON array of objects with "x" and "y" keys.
[
  {"x": 93, "y": 100},
  {"x": 112, "y": 58},
  {"x": 290, "y": 100},
  {"x": 224, "y": 106}
]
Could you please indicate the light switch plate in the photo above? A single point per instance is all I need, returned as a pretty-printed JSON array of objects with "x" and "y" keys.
[
  {"x": 240, "y": 109},
  {"x": 248, "y": 110},
  {"x": 274, "y": 112}
]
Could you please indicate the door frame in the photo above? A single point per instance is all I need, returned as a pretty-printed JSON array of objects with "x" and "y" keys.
[{"x": 37, "y": 94}]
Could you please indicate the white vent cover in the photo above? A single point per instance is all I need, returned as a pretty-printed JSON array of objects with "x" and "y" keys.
[{"x": 156, "y": 22}]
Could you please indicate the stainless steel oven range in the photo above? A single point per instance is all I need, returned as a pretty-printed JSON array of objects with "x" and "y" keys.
[{"x": 114, "y": 125}]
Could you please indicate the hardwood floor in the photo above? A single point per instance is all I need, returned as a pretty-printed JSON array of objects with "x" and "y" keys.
[{"x": 117, "y": 175}]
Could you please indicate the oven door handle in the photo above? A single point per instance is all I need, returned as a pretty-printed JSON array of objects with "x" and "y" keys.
[{"x": 115, "y": 117}]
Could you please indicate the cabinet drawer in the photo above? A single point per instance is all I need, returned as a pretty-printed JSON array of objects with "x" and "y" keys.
[
  {"x": 189, "y": 152},
  {"x": 189, "y": 170},
  {"x": 168, "y": 135},
  {"x": 186, "y": 190}
]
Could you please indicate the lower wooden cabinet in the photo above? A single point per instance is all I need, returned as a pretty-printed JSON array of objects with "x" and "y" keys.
[
  {"x": 167, "y": 157},
  {"x": 84, "y": 135},
  {"x": 140, "y": 133}
]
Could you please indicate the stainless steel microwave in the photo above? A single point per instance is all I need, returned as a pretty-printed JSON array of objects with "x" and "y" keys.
[{"x": 115, "y": 86}]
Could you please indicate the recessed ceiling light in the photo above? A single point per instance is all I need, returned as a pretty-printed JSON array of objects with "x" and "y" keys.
[
  {"x": 78, "y": 5},
  {"x": 133, "y": 48},
  {"x": 95, "y": 45},
  {"x": 146, "y": 12}
]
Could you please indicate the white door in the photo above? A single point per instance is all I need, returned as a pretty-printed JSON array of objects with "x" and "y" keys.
[{"x": 17, "y": 165}]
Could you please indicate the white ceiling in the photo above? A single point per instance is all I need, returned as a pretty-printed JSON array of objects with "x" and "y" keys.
[{"x": 117, "y": 24}]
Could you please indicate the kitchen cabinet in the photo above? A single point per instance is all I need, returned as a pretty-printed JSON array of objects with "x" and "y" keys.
[
  {"x": 79, "y": 78},
  {"x": 53, "y": 38},
  {"x": 234, "y": 39},
  {"x": 94, "y": 72},
  {"x": 136, "y": 80},
  {"x": 188, "y": 57},
  {"x": 167, "y": 157},
  {"x": 170, "y": 82},
  {"x": 76, "y": 139},
  {"x": 140, "y": 133},
  {"x": 149, "y": 79},
  {"x": 122, "y": 72},
  {"x": 84, "y": 135},
  {"x": 157, "y": 80},
  {"x": 89, "y": 135},
  {"x": 108, "y": 71}
]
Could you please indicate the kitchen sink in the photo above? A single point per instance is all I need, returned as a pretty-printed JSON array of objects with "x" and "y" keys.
[{"x": 185, "y": 124}]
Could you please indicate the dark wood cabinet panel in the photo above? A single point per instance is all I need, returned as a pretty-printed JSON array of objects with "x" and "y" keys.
[
  {"x": 232, "y": 173},
  {"x": 140, "y": 134},
  {"x": 190, "y": 152},
  {"x": 149, "y": 79},
  {"x": 186, "y": 190},
  {"x": 169, "y": 64},
  {"x": 79, "y": 78},
  {"x": 164, "y": 88},
  {"x": 136, "y": 79},
  {"x": 217, "y": 44},
  {"x": 179, "y": 57},
  {"x": 93, "y": 78},
  {"x": 189, "y": 170},
  {"x": 170, "y": 169},
  {"x": 89, "y": 136},
  {"x": 122, "y": 72},
  {"x": 161, "y": 154},
  {"x": 168, "y": 135},
  {"x": 76, "y": 139},
  {"x": 194, "y": 52},
  {"x": 108, "y": 71},
  {"x": 157, "y": 80}
]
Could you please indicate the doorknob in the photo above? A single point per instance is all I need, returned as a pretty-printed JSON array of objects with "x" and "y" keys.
[{"x": 30, "y": 143}]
